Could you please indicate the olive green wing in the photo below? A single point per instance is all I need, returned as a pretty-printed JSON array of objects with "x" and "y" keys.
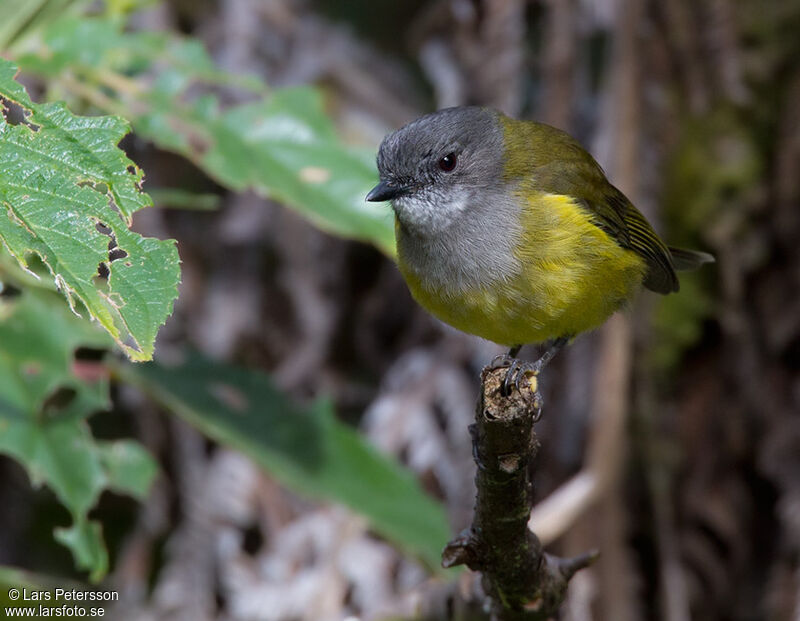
[
  {"x": 619, "y": 218},
  {"x": 557, "y": 163},
  {"x": 576, "y": 174}
]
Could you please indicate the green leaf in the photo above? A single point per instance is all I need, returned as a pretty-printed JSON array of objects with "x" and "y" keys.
[
  {"x": 68, "y": 194},
  {"x": 22, "y": 18},
  {"x": 285, "y": 147},
  {"x": 282, "y": 145},
  {"x": 37, "y": 339},
  {"x": 15, "y": 14},
  {"x": 308, "y": 450},
  {"x": 130, "y": 469},
  {"x": 44, "y": 401},
  {"x": 85, "y": 539},
  {"x": 75, "y": 41},
  {"x": 19, "y": 578},
  {"x": 177, "y": 198}
]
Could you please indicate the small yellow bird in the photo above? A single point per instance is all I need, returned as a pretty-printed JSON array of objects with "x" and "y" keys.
[{"x": 510, "y": 230}]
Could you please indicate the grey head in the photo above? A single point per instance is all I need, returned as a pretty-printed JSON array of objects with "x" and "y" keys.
[{"x": 436, "y": 167}]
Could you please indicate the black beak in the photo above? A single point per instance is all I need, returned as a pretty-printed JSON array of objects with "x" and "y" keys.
[{"x": 385, "y": 191}]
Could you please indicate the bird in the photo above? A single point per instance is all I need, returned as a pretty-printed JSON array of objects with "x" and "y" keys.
[{"x": 509, "y": 230}]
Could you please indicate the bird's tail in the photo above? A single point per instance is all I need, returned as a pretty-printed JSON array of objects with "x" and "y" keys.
[{"x": 685, "y": 260}]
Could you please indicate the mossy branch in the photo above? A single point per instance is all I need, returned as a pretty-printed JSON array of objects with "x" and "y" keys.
[{"x": 521, "y": 580}]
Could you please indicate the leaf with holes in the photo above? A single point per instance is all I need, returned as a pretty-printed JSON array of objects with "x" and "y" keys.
[
  {"x": 68, "y": 194},
  {"x": 45, "y": 397}
]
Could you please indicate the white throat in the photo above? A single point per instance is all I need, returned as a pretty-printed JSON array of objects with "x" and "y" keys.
[
  {"x": 462, "y": 243},
  {"x": 430, "y": 212}
]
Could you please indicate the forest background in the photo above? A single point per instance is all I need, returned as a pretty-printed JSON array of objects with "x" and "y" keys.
[{"x": 298, "y": 450}]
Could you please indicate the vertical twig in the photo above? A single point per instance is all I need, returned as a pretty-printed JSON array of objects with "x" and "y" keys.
[{"x": 521, "y": 580}]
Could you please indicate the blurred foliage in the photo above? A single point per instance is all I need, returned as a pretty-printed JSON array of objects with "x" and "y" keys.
[
  {"x": 23, "y": 17},
  {"x": 713, "y": 457},
  {"x": 307, "y": 450},
  {"x": 184, "y": 199},
  {"x": 19, "y": 579},
  {"x": 44, "y": 402},
  {"x": 678, "y": 323},
  {"x": 713, "y": 175},
  {"x": 281, "y": 144},
  {"x": 70, "y": 193},
  {"x": 714, "y": 168}
]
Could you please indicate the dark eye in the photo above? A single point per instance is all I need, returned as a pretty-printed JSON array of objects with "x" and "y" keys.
[{"x": 448, "y": 162}]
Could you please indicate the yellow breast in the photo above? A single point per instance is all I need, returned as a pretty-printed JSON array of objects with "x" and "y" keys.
[{"x": 572, "y": 276}]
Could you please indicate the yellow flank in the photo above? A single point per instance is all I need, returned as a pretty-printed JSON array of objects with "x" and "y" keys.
[{"x": 572, "y": 276}]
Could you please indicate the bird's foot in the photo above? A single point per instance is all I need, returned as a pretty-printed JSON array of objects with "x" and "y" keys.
[
  {"x": 520, "y": 373},
  {"x": 499, "y": 362},
  {"x": 519, "y": 370}
]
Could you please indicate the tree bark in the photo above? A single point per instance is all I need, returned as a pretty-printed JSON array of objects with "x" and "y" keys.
[{"x": 519, "y": 578}]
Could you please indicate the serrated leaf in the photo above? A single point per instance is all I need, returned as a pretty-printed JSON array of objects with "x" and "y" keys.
[
  {"x": 44, "y": 402},
  {"x": 308, "y": 450},
  {"x": 61, "y": 183}
]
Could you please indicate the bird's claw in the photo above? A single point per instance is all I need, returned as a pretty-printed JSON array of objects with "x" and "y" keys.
[
  {"x": 517, "y": 371},
  {"x": 500, "y": 361},
  {"x": 537, "y": 405}
]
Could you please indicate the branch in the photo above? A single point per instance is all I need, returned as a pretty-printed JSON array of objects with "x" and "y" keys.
[
  {"x": 522, "y": 581},
  {"x": 557, "y": 513}
]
